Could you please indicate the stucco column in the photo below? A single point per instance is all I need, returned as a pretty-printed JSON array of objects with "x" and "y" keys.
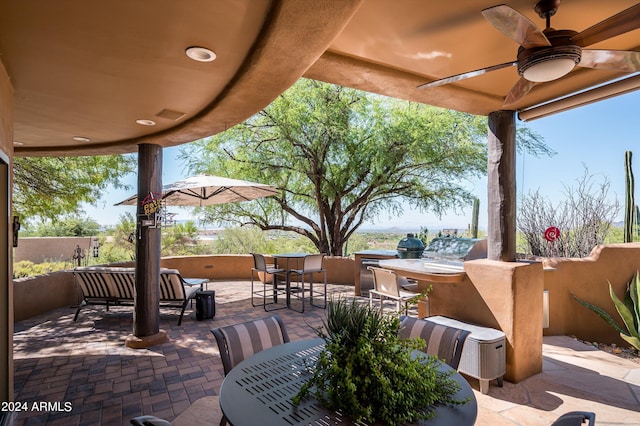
[
  {"x": 146, "y": 313},
  {"x": 501, "y": 186},
  {"x": 6, "y": 240}
]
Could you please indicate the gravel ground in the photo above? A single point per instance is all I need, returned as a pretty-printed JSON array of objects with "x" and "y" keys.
[{"x": 631, "y": 354}]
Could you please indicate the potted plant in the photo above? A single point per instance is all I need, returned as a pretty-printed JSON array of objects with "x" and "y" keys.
[{"x": 370, "y": 374}]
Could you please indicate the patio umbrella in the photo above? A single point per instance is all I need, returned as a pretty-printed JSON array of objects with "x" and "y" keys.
[{"x": 206, "y": 190}]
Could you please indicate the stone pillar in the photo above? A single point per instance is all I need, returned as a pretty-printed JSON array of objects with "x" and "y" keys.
[
  {"x": 146, "y": 314},
  {"x": 501, "y": 186}
]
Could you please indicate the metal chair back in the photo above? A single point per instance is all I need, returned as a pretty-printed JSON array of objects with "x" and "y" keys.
[
  {"x": 385, "y": 281},
  {"x": 313, "y": 262},
  {"x": 259, "y": 262}
]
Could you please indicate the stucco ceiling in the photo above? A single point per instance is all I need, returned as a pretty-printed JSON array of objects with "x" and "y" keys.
[{"x": 86, "y": 69}]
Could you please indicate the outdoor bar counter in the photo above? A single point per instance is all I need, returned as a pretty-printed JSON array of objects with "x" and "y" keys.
[{"x": 425, "y": 270}]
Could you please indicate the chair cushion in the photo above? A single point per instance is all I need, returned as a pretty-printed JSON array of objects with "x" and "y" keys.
[
  {"x": 441, "y": 340},
  {"x": 94, "y": 284},
  {"x": 244, "y": 340},
  {"x": 171, "y": 287}
]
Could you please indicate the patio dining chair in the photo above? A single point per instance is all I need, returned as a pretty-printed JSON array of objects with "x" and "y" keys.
[
  {"x": 442, "y": 341},
  {"x": 268, "y": 275},
  {"x": 240, "y": 341},
  {"x": 387, "y": 285},
  {"x": 311, "y": 264}
]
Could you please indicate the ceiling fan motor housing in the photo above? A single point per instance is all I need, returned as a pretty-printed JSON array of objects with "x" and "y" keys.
[{"x": 562, "y": 48}]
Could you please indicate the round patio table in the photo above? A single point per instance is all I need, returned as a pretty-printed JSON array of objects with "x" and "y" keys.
[
  {"x": 258, "y": 391},
  {"x": 283, "y": 260}
]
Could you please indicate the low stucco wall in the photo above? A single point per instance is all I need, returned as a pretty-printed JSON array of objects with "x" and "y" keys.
[
  {"x": 238, "y": 266},
  {"x": 36, "y": 295},
  {"x": 45, "y": 249},
  {"x": 589, "y": 278}
]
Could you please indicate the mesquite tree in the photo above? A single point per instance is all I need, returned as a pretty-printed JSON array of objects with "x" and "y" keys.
[
  {"x": 50, "y": 187},
  {"x": 340, "y": 157}
]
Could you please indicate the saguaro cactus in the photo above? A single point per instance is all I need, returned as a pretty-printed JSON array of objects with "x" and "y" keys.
[
  {"x": 629, "y": 205},
  {"x": 474, "y": 218}
]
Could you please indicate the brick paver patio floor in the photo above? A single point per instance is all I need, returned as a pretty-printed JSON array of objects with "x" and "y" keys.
[{"x": 80, "y": 373}]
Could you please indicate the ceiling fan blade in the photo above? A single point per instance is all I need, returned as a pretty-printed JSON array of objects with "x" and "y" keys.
[
  {"x": 466, "y": 75},
  {"x": 518, "y": 91},
  {"x": 615, "y": 60},
  {"x": 620, "y": 23},
  {"x": 516, "y": 26}
]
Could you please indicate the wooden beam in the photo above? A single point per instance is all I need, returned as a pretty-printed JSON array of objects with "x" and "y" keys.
[{"x": 501, "y": 186}]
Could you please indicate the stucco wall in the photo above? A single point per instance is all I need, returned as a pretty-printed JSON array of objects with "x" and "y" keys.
[
  {"x": 36, "y": 295},
  {"x": 589, "y": 278},
  {"x": 502, "y": 295},
  {"x": 6, "y": 290},
  {"x": 6, "y": 112},
  {"x": 238, "y": 266},
  {"x": 44, "y": 249}
]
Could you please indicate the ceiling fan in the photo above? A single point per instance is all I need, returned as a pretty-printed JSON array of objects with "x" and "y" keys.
[{"x": 546, "y": 55}]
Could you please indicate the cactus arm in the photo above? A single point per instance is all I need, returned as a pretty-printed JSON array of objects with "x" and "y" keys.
[
  {"x": 474, "y": 218},
  {"x": 629, "y": 201},
  {"x": 634, "y": 293}
]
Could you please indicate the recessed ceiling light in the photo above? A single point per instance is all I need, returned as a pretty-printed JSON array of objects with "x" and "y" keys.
[
  {"x": 200, "y": 54},
  {"x": 146, "y": 122},
  {"x": 81, "y": 139}
]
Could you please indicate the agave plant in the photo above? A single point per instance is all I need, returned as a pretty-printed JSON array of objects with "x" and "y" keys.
[{"x": 628, "y": 309}]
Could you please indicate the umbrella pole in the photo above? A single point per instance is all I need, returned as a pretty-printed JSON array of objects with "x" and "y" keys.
[{"x": 146, "y": 315}]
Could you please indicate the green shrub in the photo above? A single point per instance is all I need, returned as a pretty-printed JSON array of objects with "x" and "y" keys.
[
  {"x": 366, "y": 371},
  {"x": 26, "y": 268}
]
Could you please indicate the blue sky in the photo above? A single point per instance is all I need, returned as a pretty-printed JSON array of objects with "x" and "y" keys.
[{"x": 595, "y": 136}]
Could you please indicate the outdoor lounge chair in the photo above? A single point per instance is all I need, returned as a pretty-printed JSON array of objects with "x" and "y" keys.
[
  {"x": 387, "y": 285},
  {"x": 442, "y": 341},
  {"x": 112, "y": 286}
]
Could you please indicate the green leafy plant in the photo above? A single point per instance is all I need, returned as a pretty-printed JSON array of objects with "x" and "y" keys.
[
  {"x": 369, "y": 373},
  {"x": 628, "y": 309}
]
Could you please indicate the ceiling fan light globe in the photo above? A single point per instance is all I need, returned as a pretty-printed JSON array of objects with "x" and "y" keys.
[{"x": 549, "y": 70}]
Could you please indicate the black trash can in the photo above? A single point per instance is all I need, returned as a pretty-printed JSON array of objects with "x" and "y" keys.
[{"x": 205, "y": 305}]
